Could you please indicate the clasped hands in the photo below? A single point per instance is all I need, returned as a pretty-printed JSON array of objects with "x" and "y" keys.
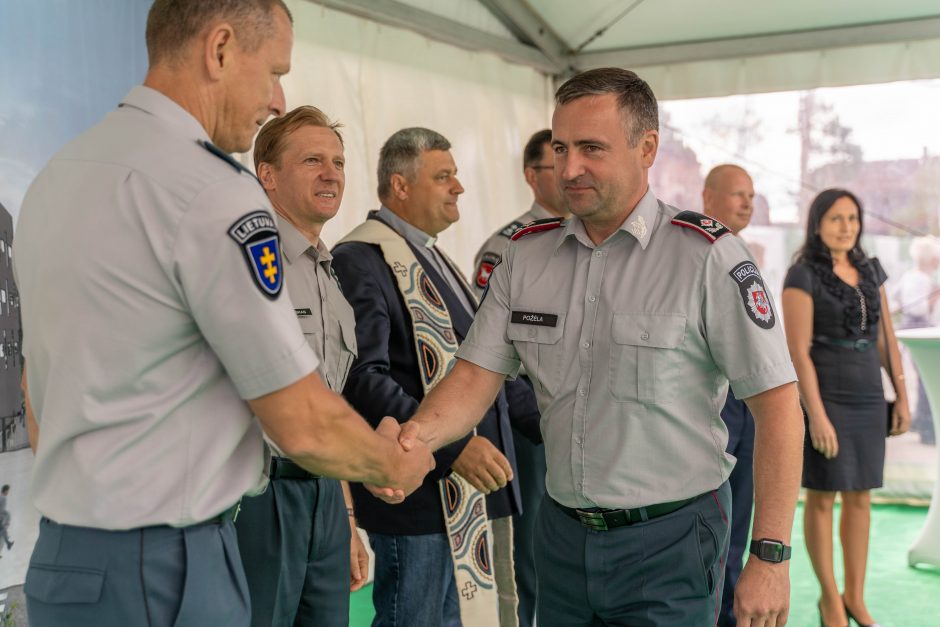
[{"x": 480, "y": 462}]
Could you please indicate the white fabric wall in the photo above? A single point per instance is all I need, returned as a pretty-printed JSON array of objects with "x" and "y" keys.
[
  {"x": 377, "y": 79},
  {"x": 859, "y": 65}
]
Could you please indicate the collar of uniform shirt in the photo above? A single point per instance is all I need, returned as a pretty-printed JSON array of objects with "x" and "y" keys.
[
  {"x": 153, "y": 102},
  {"x": 640, "y": 224},
  {"x": 410, "y": 232},
  {"x": 294, "y": 244}
]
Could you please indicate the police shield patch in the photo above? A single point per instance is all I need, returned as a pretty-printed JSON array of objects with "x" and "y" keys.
[
  {"x": 756, "y": 301},
  {"x": 257, "y": 235},
  {"x": 487, "y": 263}
]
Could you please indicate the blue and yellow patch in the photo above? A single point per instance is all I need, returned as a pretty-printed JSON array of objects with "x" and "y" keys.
[{"x": 257, "y": 235}]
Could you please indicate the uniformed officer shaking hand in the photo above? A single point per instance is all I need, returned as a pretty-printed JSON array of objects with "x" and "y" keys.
[
  {"x": 144, "y": 234},
  {"x": 300, "y": 549},
  {"x": 631, "y": 318}
]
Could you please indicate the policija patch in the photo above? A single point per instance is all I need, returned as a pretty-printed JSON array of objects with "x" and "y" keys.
[
  {"x": 256, "y": 233},
  {"x": 487, "y": 263},
  {"x": 756, "y": 302}
]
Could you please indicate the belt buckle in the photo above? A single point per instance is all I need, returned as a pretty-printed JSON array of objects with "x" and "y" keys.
[
  {"x": 860, "y": 344},
  {"x": 592, "y": 520}
]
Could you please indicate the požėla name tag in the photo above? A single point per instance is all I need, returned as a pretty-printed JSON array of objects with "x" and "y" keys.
[{"x": 533, "y": 318}]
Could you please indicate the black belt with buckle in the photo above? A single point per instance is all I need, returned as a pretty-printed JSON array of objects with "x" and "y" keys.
[
  {"x": 284, "y": 468},
  {"x": 861, "y": 344},
  {"x": 604, "y": 519}
]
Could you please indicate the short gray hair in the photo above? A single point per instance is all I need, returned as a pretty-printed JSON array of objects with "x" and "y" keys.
[
  {"x": 634, "y": 96},
  {"x": 402, "y": 152},
  {"x": 171, "y": 24}
]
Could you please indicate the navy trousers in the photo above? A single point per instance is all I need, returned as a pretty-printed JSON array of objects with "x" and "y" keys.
[
  {"x": 153, "y": 576},
  {"x": 740, "y": 425},
  {"x": 665, "y": 571},
  {"x": 530, "y": 460},
  {"x": 294, "y": 540}
]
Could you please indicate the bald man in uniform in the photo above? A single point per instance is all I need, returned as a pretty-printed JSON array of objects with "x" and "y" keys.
[
  {"x": 156, "y": 328},
  {"x": 728, "y": 196}
]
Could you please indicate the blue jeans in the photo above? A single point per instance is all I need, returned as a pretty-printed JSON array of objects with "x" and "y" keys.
[{"x": 414, "y": 581}]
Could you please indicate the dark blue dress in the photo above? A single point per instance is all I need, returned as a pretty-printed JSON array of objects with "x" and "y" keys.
[{"x": 849, "y": 378}]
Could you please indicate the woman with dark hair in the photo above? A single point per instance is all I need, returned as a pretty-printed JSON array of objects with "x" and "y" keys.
[{"x": 833, "y": 299}]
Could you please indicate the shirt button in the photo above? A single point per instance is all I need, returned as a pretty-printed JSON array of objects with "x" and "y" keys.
[
  {"x": 580, "y": 391},
  {"x": 644, "y": 336},
  {"x": 577, "y": 439},
  {"x": 531, "y": 332},
  {"x": 586, "y": 345},
  {"x": 592, "y": 298},
  {"x": 598, "y": 253}
]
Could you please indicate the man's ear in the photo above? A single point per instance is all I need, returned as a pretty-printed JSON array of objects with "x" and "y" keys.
[
  {"x": 219, "y": 49},
  {"x": 400, "y": 186},
  {"x": 267, "y": 176},
  {"x": 649, "y": 145}
]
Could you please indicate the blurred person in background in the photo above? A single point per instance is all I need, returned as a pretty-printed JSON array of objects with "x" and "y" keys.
[{"x": 916, "y": 294}]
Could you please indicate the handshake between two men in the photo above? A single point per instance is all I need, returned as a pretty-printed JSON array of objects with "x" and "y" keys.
[{"x": 318, "y": 429}]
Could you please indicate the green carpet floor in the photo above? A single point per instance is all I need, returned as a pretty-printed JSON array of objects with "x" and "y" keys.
[{"x": 898, "y": 596}]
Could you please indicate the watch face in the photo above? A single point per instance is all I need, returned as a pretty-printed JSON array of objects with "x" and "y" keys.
[{"x": 771, "y": 551}]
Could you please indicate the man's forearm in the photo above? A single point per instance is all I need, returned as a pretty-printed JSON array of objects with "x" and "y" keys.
[
  {"x": 778, "y": 461},
  {"x": 318, "y": 430},
  {"x": 457, "y": 403}
]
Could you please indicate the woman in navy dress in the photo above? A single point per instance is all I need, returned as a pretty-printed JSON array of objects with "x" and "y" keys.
[{"x": 833, "y": 300}]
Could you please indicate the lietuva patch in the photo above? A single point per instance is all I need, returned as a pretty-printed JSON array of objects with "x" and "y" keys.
[
  {"x": 756, "y": 301},
  {"x": 537, "y": 319},
  {"x": 712, "y": 229},
  {"x": 487, "y": 262},
  {"x": 537, "y": 226},
  {"x": 257, "y": 235}
]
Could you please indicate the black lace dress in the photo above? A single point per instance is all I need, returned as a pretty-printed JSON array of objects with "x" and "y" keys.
[{"x": 849, "y": 377}]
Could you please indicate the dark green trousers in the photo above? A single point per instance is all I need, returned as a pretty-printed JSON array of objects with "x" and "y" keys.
[
  {"x": 294, "y": 542},
  {"x": 663, "y": 572}
]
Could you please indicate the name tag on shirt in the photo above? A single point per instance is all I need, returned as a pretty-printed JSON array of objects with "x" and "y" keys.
[
  {"x": 537, "y": 319},
  {"x": 303, "y": 312}
]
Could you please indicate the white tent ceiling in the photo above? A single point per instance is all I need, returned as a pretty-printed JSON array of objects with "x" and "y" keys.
[{"x": 689, "y": 48}]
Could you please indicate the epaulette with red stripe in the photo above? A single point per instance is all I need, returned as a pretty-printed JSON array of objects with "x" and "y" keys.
[
  {"x": 712, "y": 229},
  {"x": 538, "y": 226}
]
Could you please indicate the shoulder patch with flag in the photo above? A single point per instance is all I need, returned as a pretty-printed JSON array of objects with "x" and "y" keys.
[
  {"x": 538, "y": 226},
  {"x": 756, "y": 301},
  {"x": 710, "y": 228},
  {"x": 256, "y": 234},
  {"x": 487, "y": 262}
]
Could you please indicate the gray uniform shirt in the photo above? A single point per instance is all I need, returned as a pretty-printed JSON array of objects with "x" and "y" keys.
[
  {"x": 325, "y": 316},
  {"x": 145, "y": 324},
  {"x": 630, "y": 346},
  {"x": 491, "y": 251}
]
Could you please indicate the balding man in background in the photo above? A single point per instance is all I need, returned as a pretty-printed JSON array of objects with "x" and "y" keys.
[
  {"x": 141, "y": 392},
  {"x": 728, "y": 196}
]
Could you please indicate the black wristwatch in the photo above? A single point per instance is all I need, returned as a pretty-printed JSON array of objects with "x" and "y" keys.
[{"x": 770, "y": 550}]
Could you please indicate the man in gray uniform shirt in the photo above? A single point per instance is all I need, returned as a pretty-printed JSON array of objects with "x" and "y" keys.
[
  {"x": 151, "y": 282},
  {"x": 296, "y": 540},
  {"x": 538, "y": 165},
  {"x": 631, "y": 318}
]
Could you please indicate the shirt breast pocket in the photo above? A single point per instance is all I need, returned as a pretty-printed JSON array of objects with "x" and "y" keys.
[
  {"x": 644, "y": 356},
  {"x": 540, "y": 349}
]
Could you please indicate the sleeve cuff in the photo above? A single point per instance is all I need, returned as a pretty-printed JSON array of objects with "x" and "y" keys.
[
  {"x": 290, "y": 369},
  {"x": 489, "y": 360},
  {"x": 768, "y": 379}
]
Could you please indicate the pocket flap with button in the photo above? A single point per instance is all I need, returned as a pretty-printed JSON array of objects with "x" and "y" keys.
[
  {"x": 310, "y": 325},
  {"x": 654, "y": 330},
  {"x": 519, "y": 332},
  {"x": 58, "y": 585}
]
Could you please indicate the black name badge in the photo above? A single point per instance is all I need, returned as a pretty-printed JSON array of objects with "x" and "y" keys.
[
  {"x": 303, "y": 312},
  {"x": 531, "y": 317}
]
